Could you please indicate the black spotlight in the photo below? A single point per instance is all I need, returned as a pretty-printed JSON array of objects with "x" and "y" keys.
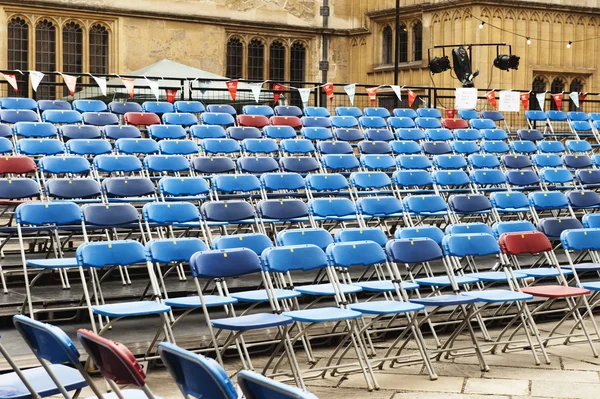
[
  {"x": 506, "y": 62},
  {"x": 462, "y": 67},
  {"x": 439, "y": 64}
]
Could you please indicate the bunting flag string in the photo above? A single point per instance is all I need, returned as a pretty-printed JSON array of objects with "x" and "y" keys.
[{"x": 12, "y": 80}]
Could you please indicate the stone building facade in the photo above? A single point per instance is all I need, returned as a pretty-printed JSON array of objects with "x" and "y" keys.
[{"x": 287, "y": 40}]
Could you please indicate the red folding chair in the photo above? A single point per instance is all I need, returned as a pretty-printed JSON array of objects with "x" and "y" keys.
[{"x": 292, "y": 121}]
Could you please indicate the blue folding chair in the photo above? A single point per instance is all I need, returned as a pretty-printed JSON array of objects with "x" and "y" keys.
[
  {"x": 295, "y": 147},
  {"x": 128, "y": 189},
  {"x": 288, "y": 110},
  {"x": 280, "y": 132},
  {"x": 35, "y": 129},
  {"x": 60, "y": 117},
  {"x": 344, "y": 122},
  {"x": 281, "y": 184},
  {"x": 178, "y": 147},
  {"x": 90, "y": 148},
  {"x": 70, "y": 132},
  {"x": 467, "y": 134},
  {"x": 193, "y": 107},
  {"x": 406, "y": 147},
  {"x": 413, "y": 134},
  {"x": 17, "y": 103},
  {"x": 123, "y": 107},
  {"x": 184, "y": 119},
  {"x": 208, "y": 132},
  {"x": 160, "y": 132},
  {"x": 121, "y": 132},
  {"x": 157, "y": 107},
  {"x": 334, "y": 147},
  {"x": 100, "y": 118},
  {"x": 316, "y": 122},
  {"x": 89, "y": 106},
  {"x": 132, "y": 146},
  {"x": 483, "y": 161},
  {"x": 316, "y": 133},
  {"x": 348, "y": 134},
  {"x": 523, "y": 146},
  {"x": 217, "y": 118},
  {"x": 40, "y": 147},
  {"x": 43, "y": 105},
  {"x": 11, "y": 116},
  {"x": 244, "y": 132}
]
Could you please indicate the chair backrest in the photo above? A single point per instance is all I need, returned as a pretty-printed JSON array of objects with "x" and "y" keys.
[
  {"x": 377, "y": 111},
  {"x": 89, "y": 147},
  {"x": 194, "y": 107},
  {"x": 581, "y": 239},
  {"x": 212, "y": 165},
  {"x": 243, "y": 132},
  {"x": 294, "y": 257},
  {"x": 166, "y": 163},
  {"x": 513, "y": 226},
  {"x": 122, "y": 132},
  {"x": 316, "y": 236},
  {"x": 196, "y": 375},
  {"x": 43, "y": 105},
  {"x": 214, "y": 118},
  {"x": 65, "y": 188},
  {"x": 120, "y": 187},
  {"x": 288, "y": 110},
  {"x": 299, "y": 164},
  {"x": 17, "y": 165},
  {"x": 18, "y": 188},
  {"x": 413, "y": 250},
  {"x": 258, "y": 121},
  {"x": 348, "y": 111},
  {"x": 469, "y": 203},
  {"x": 18, "y": 103},
  {"x": 433, "y": 232},
  {"x": 227, "y": 211},
  {"x": 121, "y": 107},
  {"x": 286, "y": 209},
  {"x": 117, "y": 163},
  {"x": 483, "y": 161},
  {"x": 100, "y": 118},
  {"x": 524, "y": 242},
  {"x": 33, "y": 147},
  {"x": 62, "y": 117},
  {"x": 426, "y": 204},
  {"x": 60, "y": 165},
  {"x": 412, "y": 178},
  {"x": 516, "y": 161},
  {"x": 340, "y": 162},
  {"x": 47, "y": 341},
  {"x": 257, "y": 164},
  {"x": 182, "y": 186},
  {"x": 181, "y": 147},
  {"x": 114, "y": 215},
  {"x": 224, "y": 263},
  {"x": 478, "y": 244},
  {"x": 334, "y": 147},
  {"x": 141, "y": 118},
  {"x": 583, "y": 199},
  {"x": 542, "y": 200},
  {"x": 166, "y": 213},
  {"x": 136, "y": 146},
  {"x": 374, "y": 147},
  {"x": 405, "y": 147},
  {"x": 282, "y": 181},
  {"x": 173, "y": 250},
  {"x": 35, "y": 129},
  {"x": 110, "y": 253},
  {"x": 591, "y": 220},
  {"x": 381, "y": 206},
  {"x": 355, "y": 253},
  {"x": 316, "y": 121},
  {"x": 510, "y": 201},
  {"x": 70, "y": 132},
  {"x": 407, "y": 112},
  {"x": 316, "y": 133},
  {"x": 296, "y": 146},
  {"x": 467, "y": 134},
  {"x": 223, "y": 108},
  {"x": 48, "y": 213},
  {"x": 326, "y": 182},
  {"x": 348, "y": 134},
  {"x": 364, "y": 180},
  {"x": 159, "y": 132},
  {"x": 179, "y": 118},
  {"x": 553, "y": 227},
  {"x": 400, "y": 122},
  {"x": 208, "y": 132},
  {"x": 331, "y": 207},
  {"x": 361, "y": 234},
  {"x": 158, "y": 107},
  {"x": 89, "y": 106},
  {"x": 236, "y": 183},
  {"x": 530, "y": 134},
  {"x": 344, "y": 121},
  {"x": 468, "y": 228},
  {"x": 114, "y": 360},
  {"x": 257, "y": 242},
  {"x": 523, "y": 146}
]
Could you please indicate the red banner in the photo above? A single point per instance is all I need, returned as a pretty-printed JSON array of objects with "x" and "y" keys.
[
  {"x": 372, "y": 92},
  {"x": 70, "y": 81},
  {"x": 558, "y": 100},
  {"x": 524, "y": 100},
  {"x": 412, "y": 96},
  {"x": 450, "y": 113},
  {"x": 232, "y": 86},
  {"x": 277, "y": 89},
  {"x": 129, "y": 84},
  {"x": 171, "y": 95},
  {"x": 491, "y": 97},
  {"x": 12, "y": 80},
  {"x": 328, "y": 87},
  {"x": 582, "y": 96}
]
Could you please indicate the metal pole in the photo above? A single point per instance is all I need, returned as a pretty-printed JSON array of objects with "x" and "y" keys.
[{"x": 397, "y": 50}]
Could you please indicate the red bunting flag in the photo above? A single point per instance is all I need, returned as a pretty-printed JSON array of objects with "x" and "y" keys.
[
  {"x": 491, "y": 97},
  {"x": 450, "y": 113},
  {"x": 558, "y": 100},
  {"x": 171, "y": 94},
  {"x": 129, "y": 85},
  {"x": 372, "y": 92},
  {"x": 328, "y": 87},
  {"x": 582, "y": 96},
  {"x": 412, "y": 96},
  {"x": 12, "y": 80},
  {"x": 524, "y": 100},
  {"x": 277, "y": 89},
  {"x": 70, "y": 81},
  {"x": 232, "y": 86}
]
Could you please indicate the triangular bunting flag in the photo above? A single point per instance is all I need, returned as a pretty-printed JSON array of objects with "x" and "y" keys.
[
  {"x": 524, "y": 97},
  {"x": 277, "y": 89},
  {"x": 101, "y": 82},
  {"x": 491, "y": 97},
  {"x": 450, "y": 113},
  {"x": 372, "y": 92},
  {"x": 351, "y": 92},
  {"x": 412, "y": 96},
  {"x": 36, "y": 77},
  {"x": 232, "y": 86},
  {"x": 12, "y": 80},
  {"x": 256, "y": 88},
  {"x": 304, "y": 96},
  {"x": 558, "y": 100},
  {"x": 129, "y": 84},
  {"x": 70, "y": 81},
  {"x": 398, "y": 91},
  {"x": 582, "y": 97},
  {"x": 153, "y": 84},
  {"x": 575, "y": 98},
  {"x": 541, "y": 99},
  {"x": 171, "y": 94},
  {"x": 328, "y": 87}
]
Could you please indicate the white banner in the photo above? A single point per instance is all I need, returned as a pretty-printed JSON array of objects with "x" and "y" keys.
[
  {"x": 465, "y": 98},
  {"x": 153, "y": 84},
  {"x": 351, "y": 92},
  {"x": 36, "y": 77},
  {"x": 304, "y": 95},
  {"x": 541, "y": 99},
  {"x": 101, "y": 82},
  {"x": 510, "y": 101},
  {"x": 575, "y": 98},
  {"x": 256, "y": 88},
  {"x": 398, "y": 91}
]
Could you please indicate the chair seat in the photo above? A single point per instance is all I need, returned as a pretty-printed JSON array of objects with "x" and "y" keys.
[
  {"x": 386, "y": 307},
  {"x": 194, "y": 301},
  {"x": 259, "y": 296},
  {"x": 541, "y": 272},
  {"x": 592, "y": 286},
  {"x": 494, "y": 276},
  {"x": 326, "y": 289},
  {"x": 444, "y": 300},
  {"x": 124, "y": 309},
  {"x": 12, "y": 387},
  {"x": 444, "y": 281},
  {"x": 498, "y": 296},
  {"x": 52, "y": 263},
  {"x": 320, "y": 315},
  {"x": 584, "y": 267},
  {"x": 384, "y": 286},
  {"x": 252, "y": 322},
  {"x": 555, "y": 291},
  {"x": 127, "y": 394}
]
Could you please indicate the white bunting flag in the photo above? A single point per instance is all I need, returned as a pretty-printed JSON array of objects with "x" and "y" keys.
[
  {"x": 70, "y": 81},
  {"x": 101, "y": 82},
  {"x": 36, "y": 77},
  {"x": 541, "y": 99},
  {"x": 153, "y": 84},
  {"x": 398, "y": 91},
  {"x": 351, "y": 92},
  {"x": 256, "y": 89},
  {"x": 575, "y": 98},
  {"x": 304, "y": 95}
]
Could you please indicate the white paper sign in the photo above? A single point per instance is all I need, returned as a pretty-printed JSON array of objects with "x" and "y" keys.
[
  {"x": 465, "y": 98},
  {"x": 510, "y": 101}
]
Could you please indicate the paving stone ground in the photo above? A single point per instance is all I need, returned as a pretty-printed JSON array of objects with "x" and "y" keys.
[{"x": 573, "y": 373}]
